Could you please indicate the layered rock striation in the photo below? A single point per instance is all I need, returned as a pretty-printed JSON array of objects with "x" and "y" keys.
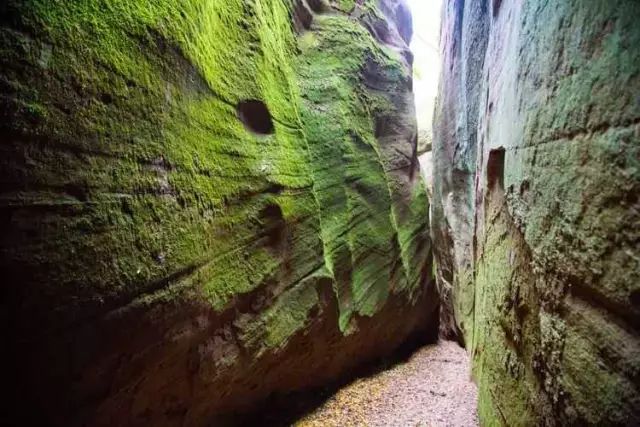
[
  {"x": 535, "y": 215},
  {"x": 204, "y": 203}
]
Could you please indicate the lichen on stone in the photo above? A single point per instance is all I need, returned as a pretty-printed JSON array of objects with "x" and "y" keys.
[{"x": 172, "y": 249}]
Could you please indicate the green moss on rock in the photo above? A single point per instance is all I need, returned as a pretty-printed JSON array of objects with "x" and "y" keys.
[{"x": 159, "y": 240}]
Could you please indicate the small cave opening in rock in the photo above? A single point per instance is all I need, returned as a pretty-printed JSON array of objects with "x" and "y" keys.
[
  {"x": 255, "y": 116},
  {"x": 495, "y": 169}
]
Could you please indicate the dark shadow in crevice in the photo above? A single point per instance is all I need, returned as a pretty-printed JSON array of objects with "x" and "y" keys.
[
  {"x": 255, "y": 116},
  {"x": 284, "y": 409},
  {"x": 274, "y": 226},
  {"x": 495, "y": 169}
]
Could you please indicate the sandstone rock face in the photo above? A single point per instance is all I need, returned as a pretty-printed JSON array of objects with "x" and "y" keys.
[
  {"x": 203, "y": 203},
  {"x": 536, "y": 217}
]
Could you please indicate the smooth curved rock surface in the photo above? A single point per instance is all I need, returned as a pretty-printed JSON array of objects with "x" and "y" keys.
[{"x": 203, "y": 203}]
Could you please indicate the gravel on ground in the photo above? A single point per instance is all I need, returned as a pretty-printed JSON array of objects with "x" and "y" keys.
[{"x": 433, "y": 388}]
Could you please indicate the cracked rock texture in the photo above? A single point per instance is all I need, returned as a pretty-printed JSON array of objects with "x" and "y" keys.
[
  {"x": 203, "y": 203},
  {"x": 536, "y": 216}
]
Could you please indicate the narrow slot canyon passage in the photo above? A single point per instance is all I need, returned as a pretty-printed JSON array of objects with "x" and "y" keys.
[
  {"x": 433, "y": 386},
  {"x": 219, "y": 213}
]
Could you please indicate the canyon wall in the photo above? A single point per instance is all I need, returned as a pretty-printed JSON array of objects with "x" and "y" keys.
[
  {"x": 204, "y": 203},
  {"x": 535, "y": 215}
]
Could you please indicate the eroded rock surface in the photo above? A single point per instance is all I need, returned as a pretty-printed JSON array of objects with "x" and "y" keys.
[
  {"x": 204, "y": 202},
  {"x": 536, "y": 217}
]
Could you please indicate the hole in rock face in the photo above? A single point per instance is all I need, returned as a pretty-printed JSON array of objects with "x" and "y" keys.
[
  {"x": 255, "y": 116},
  {"x": 106, "y": 98},
  {"x": 495, "y": 168}
]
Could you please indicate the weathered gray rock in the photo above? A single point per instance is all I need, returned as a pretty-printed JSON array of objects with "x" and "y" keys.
[{"x": 536, "y": 216}]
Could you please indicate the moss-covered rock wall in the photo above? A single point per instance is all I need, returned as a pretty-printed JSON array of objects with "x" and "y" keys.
[
  {"x": 203, "y": 203},
  {"x": 536, "y": 218}
]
